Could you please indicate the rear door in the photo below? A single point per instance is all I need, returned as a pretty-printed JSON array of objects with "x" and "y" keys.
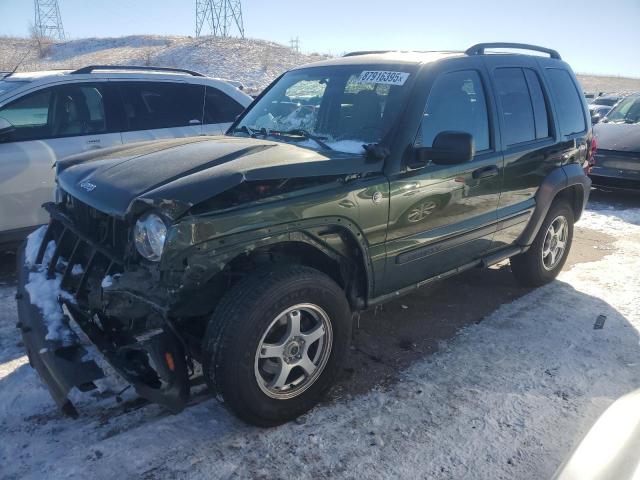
[
  {"x": 50, "y": 124},
  {"x": 220, "y": 111},
  {"x": 444, "y": 216},
  {"x": 528, "y": 140},
  {"x": 158, "y": 109}
]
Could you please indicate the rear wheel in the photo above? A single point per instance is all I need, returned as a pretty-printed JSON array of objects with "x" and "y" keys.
[
  {"x": 276, "y": 342},
  {"x": 548, "y": 253}
]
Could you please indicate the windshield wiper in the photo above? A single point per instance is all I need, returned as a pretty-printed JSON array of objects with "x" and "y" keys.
[
  {"x": 300, "y": 132},
  {"x": 245, "y": 129}
]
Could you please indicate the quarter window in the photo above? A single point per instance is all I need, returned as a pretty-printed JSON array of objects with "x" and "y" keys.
[
  {"x": 569, "y": 104},
  {"x": 456, "y": 103}
]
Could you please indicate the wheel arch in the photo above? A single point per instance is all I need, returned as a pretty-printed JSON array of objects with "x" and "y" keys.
[{"x": 568, "y": 183}]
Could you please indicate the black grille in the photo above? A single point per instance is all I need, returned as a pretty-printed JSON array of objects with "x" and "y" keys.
[{"x": 103, "y": 229}]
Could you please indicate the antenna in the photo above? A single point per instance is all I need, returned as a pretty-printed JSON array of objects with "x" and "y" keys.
[
  {"x": 221, "y": 16},
  {"x": 48, "y": 22}
]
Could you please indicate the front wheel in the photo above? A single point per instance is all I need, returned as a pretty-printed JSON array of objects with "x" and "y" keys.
[
  {"x": 548, "y": 253},
  {"x": 276, "y": 342}
]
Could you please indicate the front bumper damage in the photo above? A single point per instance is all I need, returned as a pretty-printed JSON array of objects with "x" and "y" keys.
[{"x": 141, "y": 343}]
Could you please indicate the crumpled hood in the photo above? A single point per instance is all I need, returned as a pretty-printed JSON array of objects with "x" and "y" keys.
[
  {"x": 184, "y": 172},
  {"x": 622, "y": 137}
]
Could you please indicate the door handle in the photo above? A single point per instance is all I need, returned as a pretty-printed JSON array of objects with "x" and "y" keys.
[{"x": 485, "y": 172}]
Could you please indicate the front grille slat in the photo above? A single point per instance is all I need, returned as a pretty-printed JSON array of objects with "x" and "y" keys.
[
  {"x": 73, "y": 259},
  {"x": 103, "y": 229}
]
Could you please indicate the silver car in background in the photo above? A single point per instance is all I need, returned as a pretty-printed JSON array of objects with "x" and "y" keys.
[{"x": 47, "y": 116}]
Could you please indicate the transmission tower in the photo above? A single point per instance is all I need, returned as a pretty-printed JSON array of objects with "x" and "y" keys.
[
  {"x": 220, "y": 15},
  {"x": 295, "y": 44},
  {"x": 48, "y": 22}
]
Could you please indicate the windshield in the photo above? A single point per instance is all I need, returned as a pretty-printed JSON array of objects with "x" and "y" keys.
[
  {"x": 609, "y": 101},
  {"x": 8, "y": 85},
  {"x": 627, "y": 111},
  {"x": 339, "y": 108}
]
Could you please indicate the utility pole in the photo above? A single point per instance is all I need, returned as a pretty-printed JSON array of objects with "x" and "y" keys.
[
  {"x": 221, "y": 16},
  {"x": 48, "y": 22},
  {"x": 295, "y": 44}
]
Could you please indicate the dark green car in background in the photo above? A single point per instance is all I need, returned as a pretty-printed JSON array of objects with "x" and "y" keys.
[{"x": 345, "y": 184}]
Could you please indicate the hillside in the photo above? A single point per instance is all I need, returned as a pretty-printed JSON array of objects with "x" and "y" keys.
[{"x": 253, "y": 62}]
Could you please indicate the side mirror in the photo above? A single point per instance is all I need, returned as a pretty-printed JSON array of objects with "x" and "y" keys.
[
  {"x": 449, "y": 148},
  {"x": 6, "y": 127}
]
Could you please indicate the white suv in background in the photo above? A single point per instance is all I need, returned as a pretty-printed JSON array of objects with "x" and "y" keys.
[{"x": 46, "y": 116}]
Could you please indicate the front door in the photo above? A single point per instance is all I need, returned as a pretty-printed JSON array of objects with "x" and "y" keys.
[
  {"x": 50, "y": 124},
  {"x": 444, "y": 216}
]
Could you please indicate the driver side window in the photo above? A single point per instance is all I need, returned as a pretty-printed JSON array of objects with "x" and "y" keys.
[
  {"x": 456, "y": 103},
  {"x": 30, "y": 116}
]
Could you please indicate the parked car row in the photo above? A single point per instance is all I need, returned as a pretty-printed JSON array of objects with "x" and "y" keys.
[{"x": 47, "y": 116}]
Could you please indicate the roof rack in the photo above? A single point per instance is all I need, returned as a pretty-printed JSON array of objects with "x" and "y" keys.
[
  {"x": 479, "y": 48},
  {"x": 92, "y": 68},
  {"x": 366, "y": 52}
]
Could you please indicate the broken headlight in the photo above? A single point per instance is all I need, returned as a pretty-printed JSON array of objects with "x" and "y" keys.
[{"x": 149, "y": 236}]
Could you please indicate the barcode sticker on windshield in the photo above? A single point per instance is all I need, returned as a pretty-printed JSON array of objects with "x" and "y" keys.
[{"x": 383, "y": 77}]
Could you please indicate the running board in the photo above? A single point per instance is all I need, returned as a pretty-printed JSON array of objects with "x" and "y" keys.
[{"x": 500, "y": 256}]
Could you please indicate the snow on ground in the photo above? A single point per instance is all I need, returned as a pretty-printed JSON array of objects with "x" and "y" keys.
[
  {"x": 506, "y": 398},
  {"x": 253, "y": 62}
]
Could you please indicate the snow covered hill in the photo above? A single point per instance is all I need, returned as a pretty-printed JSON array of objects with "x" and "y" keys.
[{"x": 255, "y": 63}]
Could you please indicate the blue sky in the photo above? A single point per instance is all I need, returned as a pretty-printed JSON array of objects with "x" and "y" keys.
[{"x": 593, "y": 36}]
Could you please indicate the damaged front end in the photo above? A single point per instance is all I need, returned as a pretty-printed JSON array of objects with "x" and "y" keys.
[{"x": 76, "y": 279}]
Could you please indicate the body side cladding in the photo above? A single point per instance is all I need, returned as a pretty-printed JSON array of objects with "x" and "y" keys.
[{"x": 567, "y": 181}]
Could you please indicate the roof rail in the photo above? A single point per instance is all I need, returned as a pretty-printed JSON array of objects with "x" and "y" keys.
[
  {"x": 479, "y": 48},
  {"x": 365, "y": 52},
  {"x": 92, "y": 68}
]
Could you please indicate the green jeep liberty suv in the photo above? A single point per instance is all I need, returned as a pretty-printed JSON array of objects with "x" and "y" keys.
[{"x": 345, "y": 184}]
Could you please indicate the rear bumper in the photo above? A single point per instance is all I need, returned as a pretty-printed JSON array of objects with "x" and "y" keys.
[
  {"x": 61, "y": 365},
  {"x": 615, "y": 179},
  {"x": 616, "y": 170}
]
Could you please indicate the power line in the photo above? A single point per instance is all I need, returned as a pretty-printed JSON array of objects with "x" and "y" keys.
[
  {"x": 48, "y": 22},
  {"x": 221, "y": 16}
]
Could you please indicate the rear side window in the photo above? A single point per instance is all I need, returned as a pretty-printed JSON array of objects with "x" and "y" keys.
[
  {"x": 150, "y": 105},
  {"x": 78, "y": 110},
  {"x": 456, "y": 103},
  {"x": 220, "y": 107},
  {"x": 540, "y": 114},
  {"x": 517, "y": 110},
  {"x": 568, "y": 102}
]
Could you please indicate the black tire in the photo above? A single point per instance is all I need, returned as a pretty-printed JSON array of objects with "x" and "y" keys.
[
  {"x": 237, "y": 327},
  {"x": 529, "y": 268}
]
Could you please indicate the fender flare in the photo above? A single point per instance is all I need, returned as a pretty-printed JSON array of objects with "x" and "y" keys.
[
  {"x": 213, "y": 255},
  {"x": 555, "y": 182}
]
